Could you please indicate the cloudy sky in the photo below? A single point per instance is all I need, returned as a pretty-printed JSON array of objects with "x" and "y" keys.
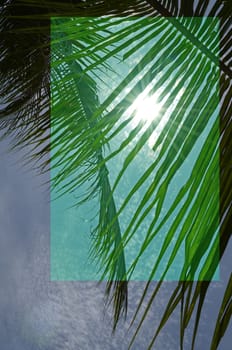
[
  {"x": 39, "y": 314},
  {"x": 36, "y": 313}
]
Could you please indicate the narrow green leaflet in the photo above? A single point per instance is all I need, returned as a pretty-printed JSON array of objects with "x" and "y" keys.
[{"x": 134, "y": 156}]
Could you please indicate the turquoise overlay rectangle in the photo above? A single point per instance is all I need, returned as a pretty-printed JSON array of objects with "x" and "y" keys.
[{"x": 135, "y": 187}]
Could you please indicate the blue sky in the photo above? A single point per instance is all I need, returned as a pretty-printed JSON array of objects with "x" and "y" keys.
[{"x": 66, "y": 223}]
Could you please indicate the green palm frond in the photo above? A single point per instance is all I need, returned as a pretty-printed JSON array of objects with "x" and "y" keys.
[
  {"x": 75, "y": 95},
  {"x": 204, "y": 74},
  {"x": 181, "y": 60}
]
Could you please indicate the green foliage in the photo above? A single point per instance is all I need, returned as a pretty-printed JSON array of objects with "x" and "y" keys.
[{"x": 183, "y": 52}]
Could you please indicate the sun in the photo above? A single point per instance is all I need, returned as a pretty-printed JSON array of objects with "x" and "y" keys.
[
  {"x": 149, "y": 107},
  {"x": 145, "y": 109}
]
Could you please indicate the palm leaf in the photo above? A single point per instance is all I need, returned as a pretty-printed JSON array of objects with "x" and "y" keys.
[
  {"x": 185, "y": 48},
  {"x": 70, "y": 82},
  {"x": 209, "y": 109}
]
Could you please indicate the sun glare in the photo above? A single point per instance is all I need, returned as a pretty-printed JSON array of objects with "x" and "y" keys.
[{"x": 145, "y": 109}]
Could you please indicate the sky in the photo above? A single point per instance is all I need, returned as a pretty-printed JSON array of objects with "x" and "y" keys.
[
  {"x": 37, "y": 314},
  {"x": 66, "y": 222}
]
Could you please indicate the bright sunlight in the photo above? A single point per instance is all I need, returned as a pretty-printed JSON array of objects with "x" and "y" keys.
[{"x": 146, "y": 109}]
